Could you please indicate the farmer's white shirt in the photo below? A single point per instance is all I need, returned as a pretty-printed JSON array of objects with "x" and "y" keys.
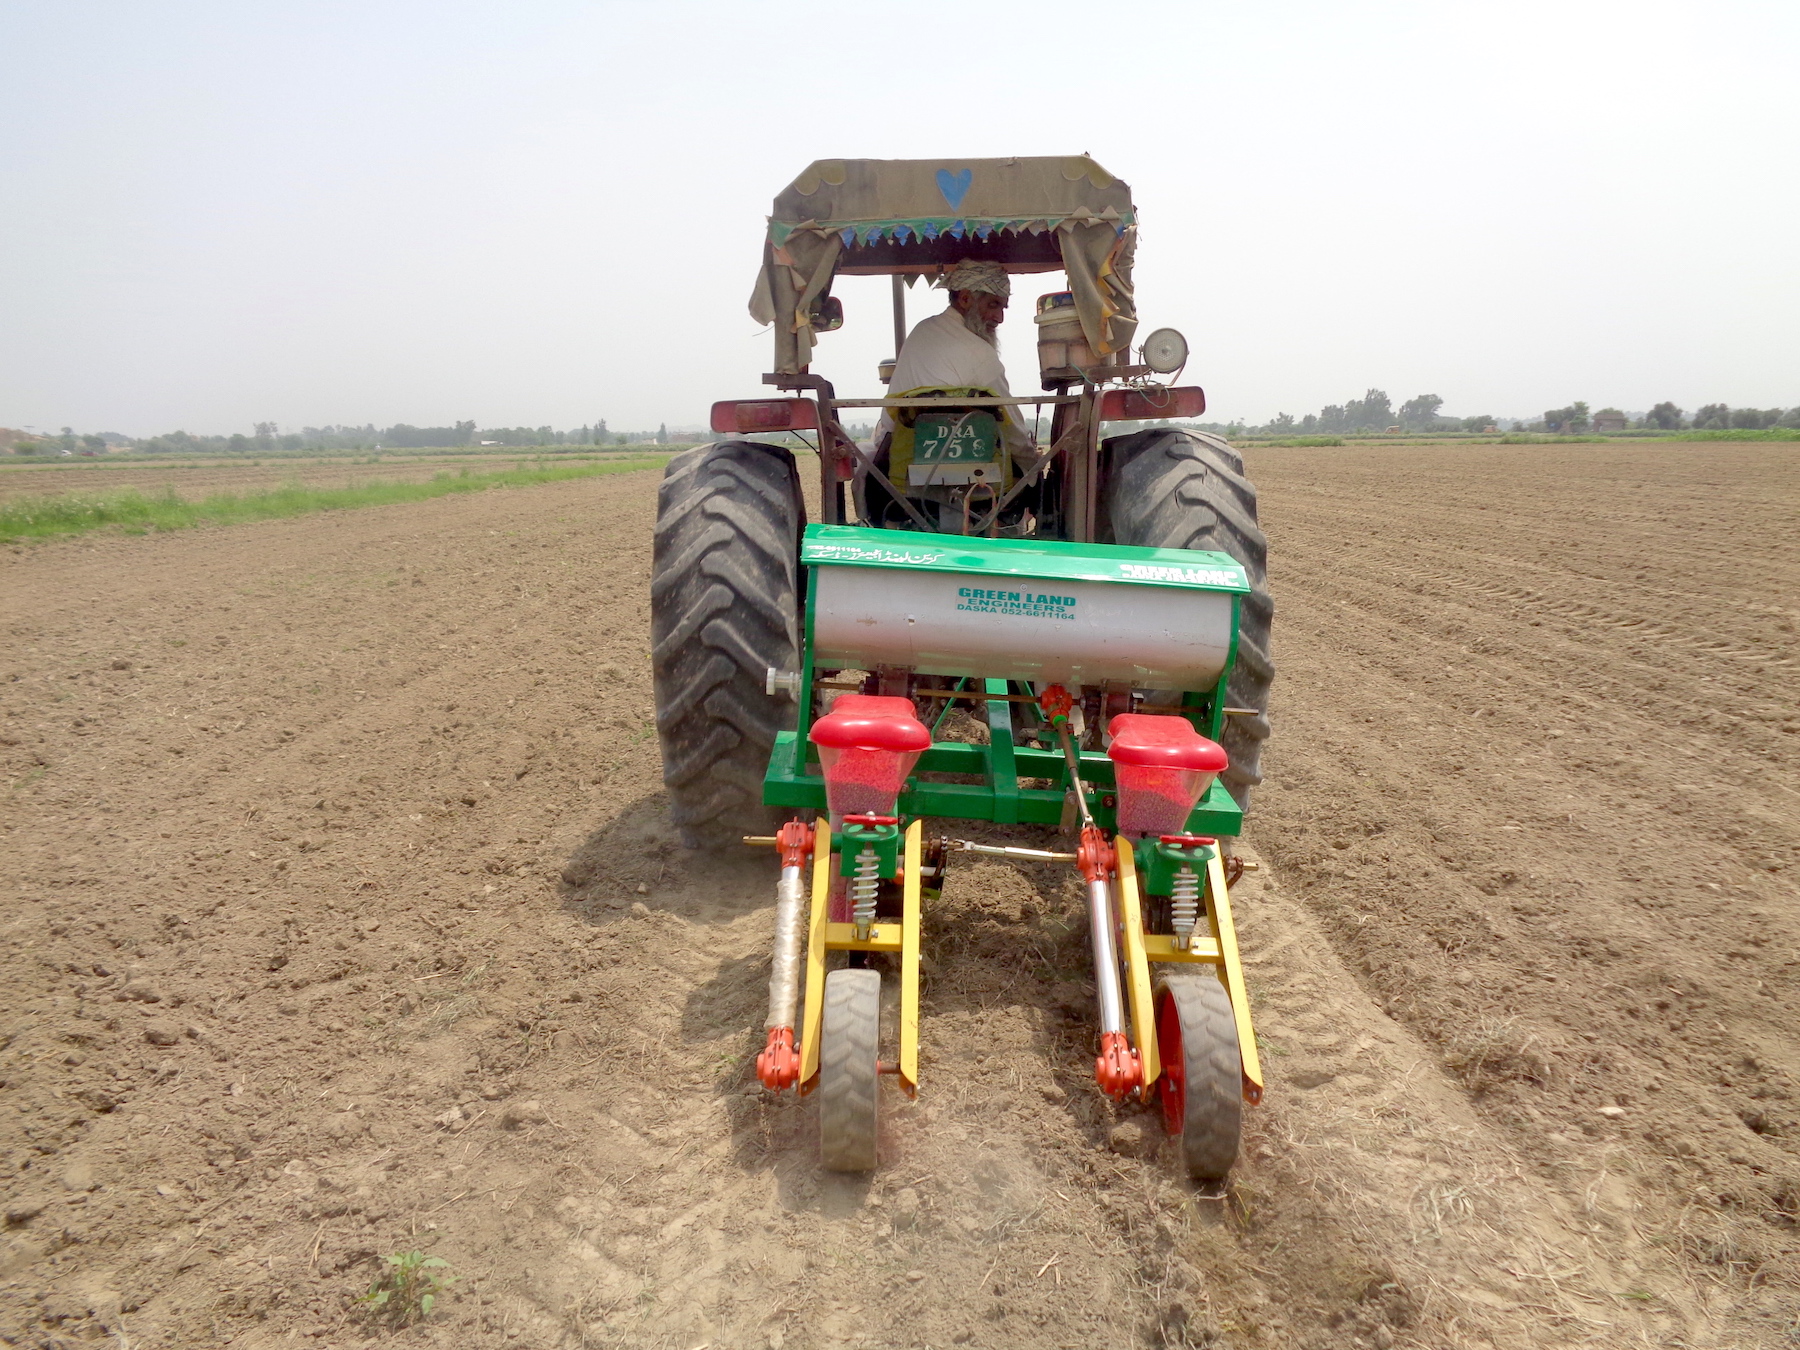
[{"x": 941, "y": 353}]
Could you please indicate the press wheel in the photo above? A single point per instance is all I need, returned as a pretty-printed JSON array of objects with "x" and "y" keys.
[
  {"x": 849, "y": 1074},
  {"x": 1201, "y": 1088}
]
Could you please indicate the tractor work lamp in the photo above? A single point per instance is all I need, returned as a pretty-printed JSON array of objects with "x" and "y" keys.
[
  {"x": 765, "y": 414},
  {"x": 867, "y": 747},
  {"x": 1149, "y": 404},
  {"x": 1162, "y": 767}
]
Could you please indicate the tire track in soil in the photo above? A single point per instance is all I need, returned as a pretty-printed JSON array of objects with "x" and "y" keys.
[{"x": 343, "y": 917}]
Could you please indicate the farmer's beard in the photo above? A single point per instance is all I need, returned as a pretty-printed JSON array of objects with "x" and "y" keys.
[{"x": 982, "y": 329}]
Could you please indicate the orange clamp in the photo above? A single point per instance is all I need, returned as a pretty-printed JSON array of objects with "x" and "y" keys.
[
  {"x": 1057, "y": 703},
  {"x": 1095, "y": 855},
  {"x": 779, "y": 1064},
  {"x": 794, "y": 840},
  {"x": 1117, "y": 1068}
]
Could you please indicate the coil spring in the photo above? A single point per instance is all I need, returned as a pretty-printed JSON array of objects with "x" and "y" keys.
[
  {"x": 863, "y": 888},
  {"x": 1184, "y": 904}
]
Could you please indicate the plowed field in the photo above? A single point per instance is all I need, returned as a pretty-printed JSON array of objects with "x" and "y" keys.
[{"x": 342, "y": 919}]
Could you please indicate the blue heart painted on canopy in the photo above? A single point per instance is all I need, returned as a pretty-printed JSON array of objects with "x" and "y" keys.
[{"x": 954, "y": 186}]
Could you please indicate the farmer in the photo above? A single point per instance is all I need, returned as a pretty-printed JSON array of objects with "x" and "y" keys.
[
  {"x": 958, "y": 349},
  {"x": 957, "y": 352}
]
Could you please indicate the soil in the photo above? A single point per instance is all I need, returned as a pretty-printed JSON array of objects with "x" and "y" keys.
[{"x": 343, "y": 919}]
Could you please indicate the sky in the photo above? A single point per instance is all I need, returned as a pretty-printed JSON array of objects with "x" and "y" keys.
[{"x": 540, "y": 211}]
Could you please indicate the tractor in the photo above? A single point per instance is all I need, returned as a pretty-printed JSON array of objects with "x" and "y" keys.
[{"x": 1101, "y": 609}]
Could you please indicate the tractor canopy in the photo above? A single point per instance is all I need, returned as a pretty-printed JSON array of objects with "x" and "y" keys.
[{"x": 920, "y": 217}]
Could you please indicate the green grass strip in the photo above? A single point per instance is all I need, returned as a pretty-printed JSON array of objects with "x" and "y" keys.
[
  {"x": 1739, "y": 434},
  {"x": 43, "y": 517},
  {"x": 1534, "y": 438}
]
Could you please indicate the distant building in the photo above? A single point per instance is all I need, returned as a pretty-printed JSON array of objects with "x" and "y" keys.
[{"x": 1610, "y": 422}]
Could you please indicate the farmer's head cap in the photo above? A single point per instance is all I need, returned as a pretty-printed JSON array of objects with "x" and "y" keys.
[{"x": 988, "y": 278}]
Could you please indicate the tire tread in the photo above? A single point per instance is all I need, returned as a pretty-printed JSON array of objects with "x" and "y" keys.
[
  {"x": 849, "y": 1081},
  {"x": 724, "y": 579},
  {"x": 1209, "y": 1044},
  {"x": 1169, "y": 487}
]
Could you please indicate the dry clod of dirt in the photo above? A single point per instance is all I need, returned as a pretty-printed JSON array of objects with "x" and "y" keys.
[
  {"x": 1134, "y": 1137},
  {"x": 1523, "y": 953},
  {"x": 517, "y": 1115}
]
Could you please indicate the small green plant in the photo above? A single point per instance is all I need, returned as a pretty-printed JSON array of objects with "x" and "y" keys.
[{"x": 409, "y": 1287}]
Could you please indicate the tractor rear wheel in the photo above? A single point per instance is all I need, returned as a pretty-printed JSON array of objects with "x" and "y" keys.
[
  {"x": 1201, "y": 1087},
  {"x": 1172, "y": 488},
  {"x": 849, "y": 1071},
  {"x": 723, "y": 609}
]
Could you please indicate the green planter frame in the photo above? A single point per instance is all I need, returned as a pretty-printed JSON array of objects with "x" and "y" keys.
[{"x": 795, "y": 780}]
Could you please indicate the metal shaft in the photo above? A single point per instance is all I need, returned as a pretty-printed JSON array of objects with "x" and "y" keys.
[
  {"x": 1100, "y": 910},
  {"x": 1074, "y": 762},
  {"x": 899, "y": 314},
  {"x": 790, "y": 928},
  {"x": 1106, "y": 959},
  {"x": 1009, "y": 851}
]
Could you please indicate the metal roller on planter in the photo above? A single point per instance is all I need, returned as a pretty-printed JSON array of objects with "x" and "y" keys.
[
  {"x": 1072, "y": 614},
  {"x": 1105, "y": 672}
]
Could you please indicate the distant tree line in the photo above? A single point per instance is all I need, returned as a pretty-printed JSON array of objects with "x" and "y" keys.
[
  {"x": 268, "y": 438},
  {"x": 1375, "y": 412},
  {"x": 67, "y": 443},
  {"x": 1668, "y": 417}
]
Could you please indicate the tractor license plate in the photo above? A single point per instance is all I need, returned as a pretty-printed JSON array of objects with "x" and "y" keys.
[{"x": 954, "y": 448}]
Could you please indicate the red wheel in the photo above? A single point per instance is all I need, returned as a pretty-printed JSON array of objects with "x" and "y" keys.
[{"x": 1171, "y": 1088}]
